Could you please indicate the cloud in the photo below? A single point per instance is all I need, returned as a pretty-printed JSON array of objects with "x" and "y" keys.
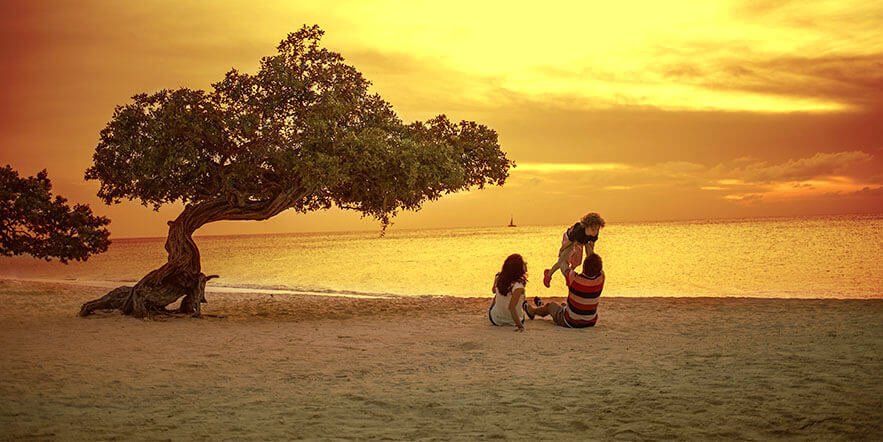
[
  {"x": 819, "y": 18},
  {"x": 819, "y": 175},
  {"x": 820, "y": 164},
  {"x": 569, "y": 167},
  {"x": 869, "y": 192},
  {"x": 855, "y": 80},
  {"x": 795, "y": 61},
  {"x": 745, "y": 198},
  {"x": 741, "y": 180}
]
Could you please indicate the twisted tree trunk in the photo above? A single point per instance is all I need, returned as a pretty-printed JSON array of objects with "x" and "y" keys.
[{"x": 182, "y": 275}]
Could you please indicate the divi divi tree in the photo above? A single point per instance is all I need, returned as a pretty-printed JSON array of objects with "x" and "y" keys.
[{"x": 302, "y": 133}]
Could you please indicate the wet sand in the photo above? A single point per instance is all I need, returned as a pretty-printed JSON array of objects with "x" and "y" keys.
[{"x": 282, "y": 367}]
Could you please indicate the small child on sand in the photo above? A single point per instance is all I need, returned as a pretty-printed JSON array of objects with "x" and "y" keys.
[{"x": 582, "y": 234}]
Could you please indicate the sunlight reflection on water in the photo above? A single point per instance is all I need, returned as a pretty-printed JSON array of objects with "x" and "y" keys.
[{"x": 838, "y": 257}]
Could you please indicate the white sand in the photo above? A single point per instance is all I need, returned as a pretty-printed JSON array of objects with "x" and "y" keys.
[{"x": 307, "y": 367}]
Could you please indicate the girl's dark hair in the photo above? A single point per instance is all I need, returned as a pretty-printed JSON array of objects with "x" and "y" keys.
[{"x": 513, "y": 271}]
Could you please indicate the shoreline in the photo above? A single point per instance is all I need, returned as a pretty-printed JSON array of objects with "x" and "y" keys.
[
  {"x": 220, "y": 288},
  {"x": 288, "y": 367}
]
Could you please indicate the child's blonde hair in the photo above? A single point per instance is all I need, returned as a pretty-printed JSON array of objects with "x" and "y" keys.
[{"x": 592, "y": 220}]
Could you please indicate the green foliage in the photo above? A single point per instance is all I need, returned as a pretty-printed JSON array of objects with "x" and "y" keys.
[
  {"x": 33, "y": 222},
  {"x": 304, "y": 123}
]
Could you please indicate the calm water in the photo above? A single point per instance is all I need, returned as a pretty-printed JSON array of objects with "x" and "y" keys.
[{"x": 836, "y": 257}]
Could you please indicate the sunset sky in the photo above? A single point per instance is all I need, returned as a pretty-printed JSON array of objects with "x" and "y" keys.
[{"x": 638, "y": 110}]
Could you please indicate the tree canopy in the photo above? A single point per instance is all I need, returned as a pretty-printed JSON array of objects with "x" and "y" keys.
[
  {"x": 303, "y": 132},
  {"x": 33, "y": 222}
]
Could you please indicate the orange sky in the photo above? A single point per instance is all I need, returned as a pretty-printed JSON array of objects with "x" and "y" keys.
[{"x": 640, "y": 110}]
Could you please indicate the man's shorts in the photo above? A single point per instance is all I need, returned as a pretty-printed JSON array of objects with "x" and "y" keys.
[{"x": 558, "y": 316}]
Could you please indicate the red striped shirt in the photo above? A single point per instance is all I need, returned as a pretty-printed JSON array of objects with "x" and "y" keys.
[{"x": 582, "y": 299}]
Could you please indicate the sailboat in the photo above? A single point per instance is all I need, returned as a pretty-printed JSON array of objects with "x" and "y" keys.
[{"x": 511, "y": 222}]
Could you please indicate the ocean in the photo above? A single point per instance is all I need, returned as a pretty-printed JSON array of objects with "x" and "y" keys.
[{"x": 818, "y": 257}]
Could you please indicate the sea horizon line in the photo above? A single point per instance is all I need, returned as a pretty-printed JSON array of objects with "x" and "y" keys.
[{"x": 378, "y": 229}]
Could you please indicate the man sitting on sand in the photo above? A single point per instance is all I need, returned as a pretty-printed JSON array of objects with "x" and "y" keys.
[{"x": 584, "y": 289}]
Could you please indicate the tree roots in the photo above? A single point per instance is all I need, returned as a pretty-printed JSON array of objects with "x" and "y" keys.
[{"x": 146, "y": 300}]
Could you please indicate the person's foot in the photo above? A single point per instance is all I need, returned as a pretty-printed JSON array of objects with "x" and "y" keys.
[
  {"x": 526, "y": 309},
  {"x": 547, "y": 278}
]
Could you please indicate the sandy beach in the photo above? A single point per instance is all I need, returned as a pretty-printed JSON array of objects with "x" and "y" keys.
[{"x": 282, "y": 367}]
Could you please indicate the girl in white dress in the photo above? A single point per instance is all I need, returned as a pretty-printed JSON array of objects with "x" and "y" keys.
[{"x": 508, "y": 306}]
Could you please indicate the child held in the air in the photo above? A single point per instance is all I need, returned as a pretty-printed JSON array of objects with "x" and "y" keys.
[{"x": 582, "y": 234}]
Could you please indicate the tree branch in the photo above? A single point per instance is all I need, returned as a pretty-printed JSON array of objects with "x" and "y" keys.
[{"x": 264, "y": 210}]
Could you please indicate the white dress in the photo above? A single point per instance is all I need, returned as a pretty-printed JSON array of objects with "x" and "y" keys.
[{"x": 499, "y": 311}]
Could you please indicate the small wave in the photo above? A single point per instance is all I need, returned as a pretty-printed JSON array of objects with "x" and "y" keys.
[
  {"x": 300, "y": 290},
  {"x": 227, "y": 288}
]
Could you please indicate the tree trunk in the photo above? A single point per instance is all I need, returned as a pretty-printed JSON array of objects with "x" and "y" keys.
[{"x": 182, "y": 275}]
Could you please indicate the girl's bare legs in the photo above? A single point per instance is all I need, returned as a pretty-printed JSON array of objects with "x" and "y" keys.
[{"x": 561, "y": 264}]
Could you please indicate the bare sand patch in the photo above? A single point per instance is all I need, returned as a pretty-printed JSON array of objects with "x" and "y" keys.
[{"x": 306, "y": 367}]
